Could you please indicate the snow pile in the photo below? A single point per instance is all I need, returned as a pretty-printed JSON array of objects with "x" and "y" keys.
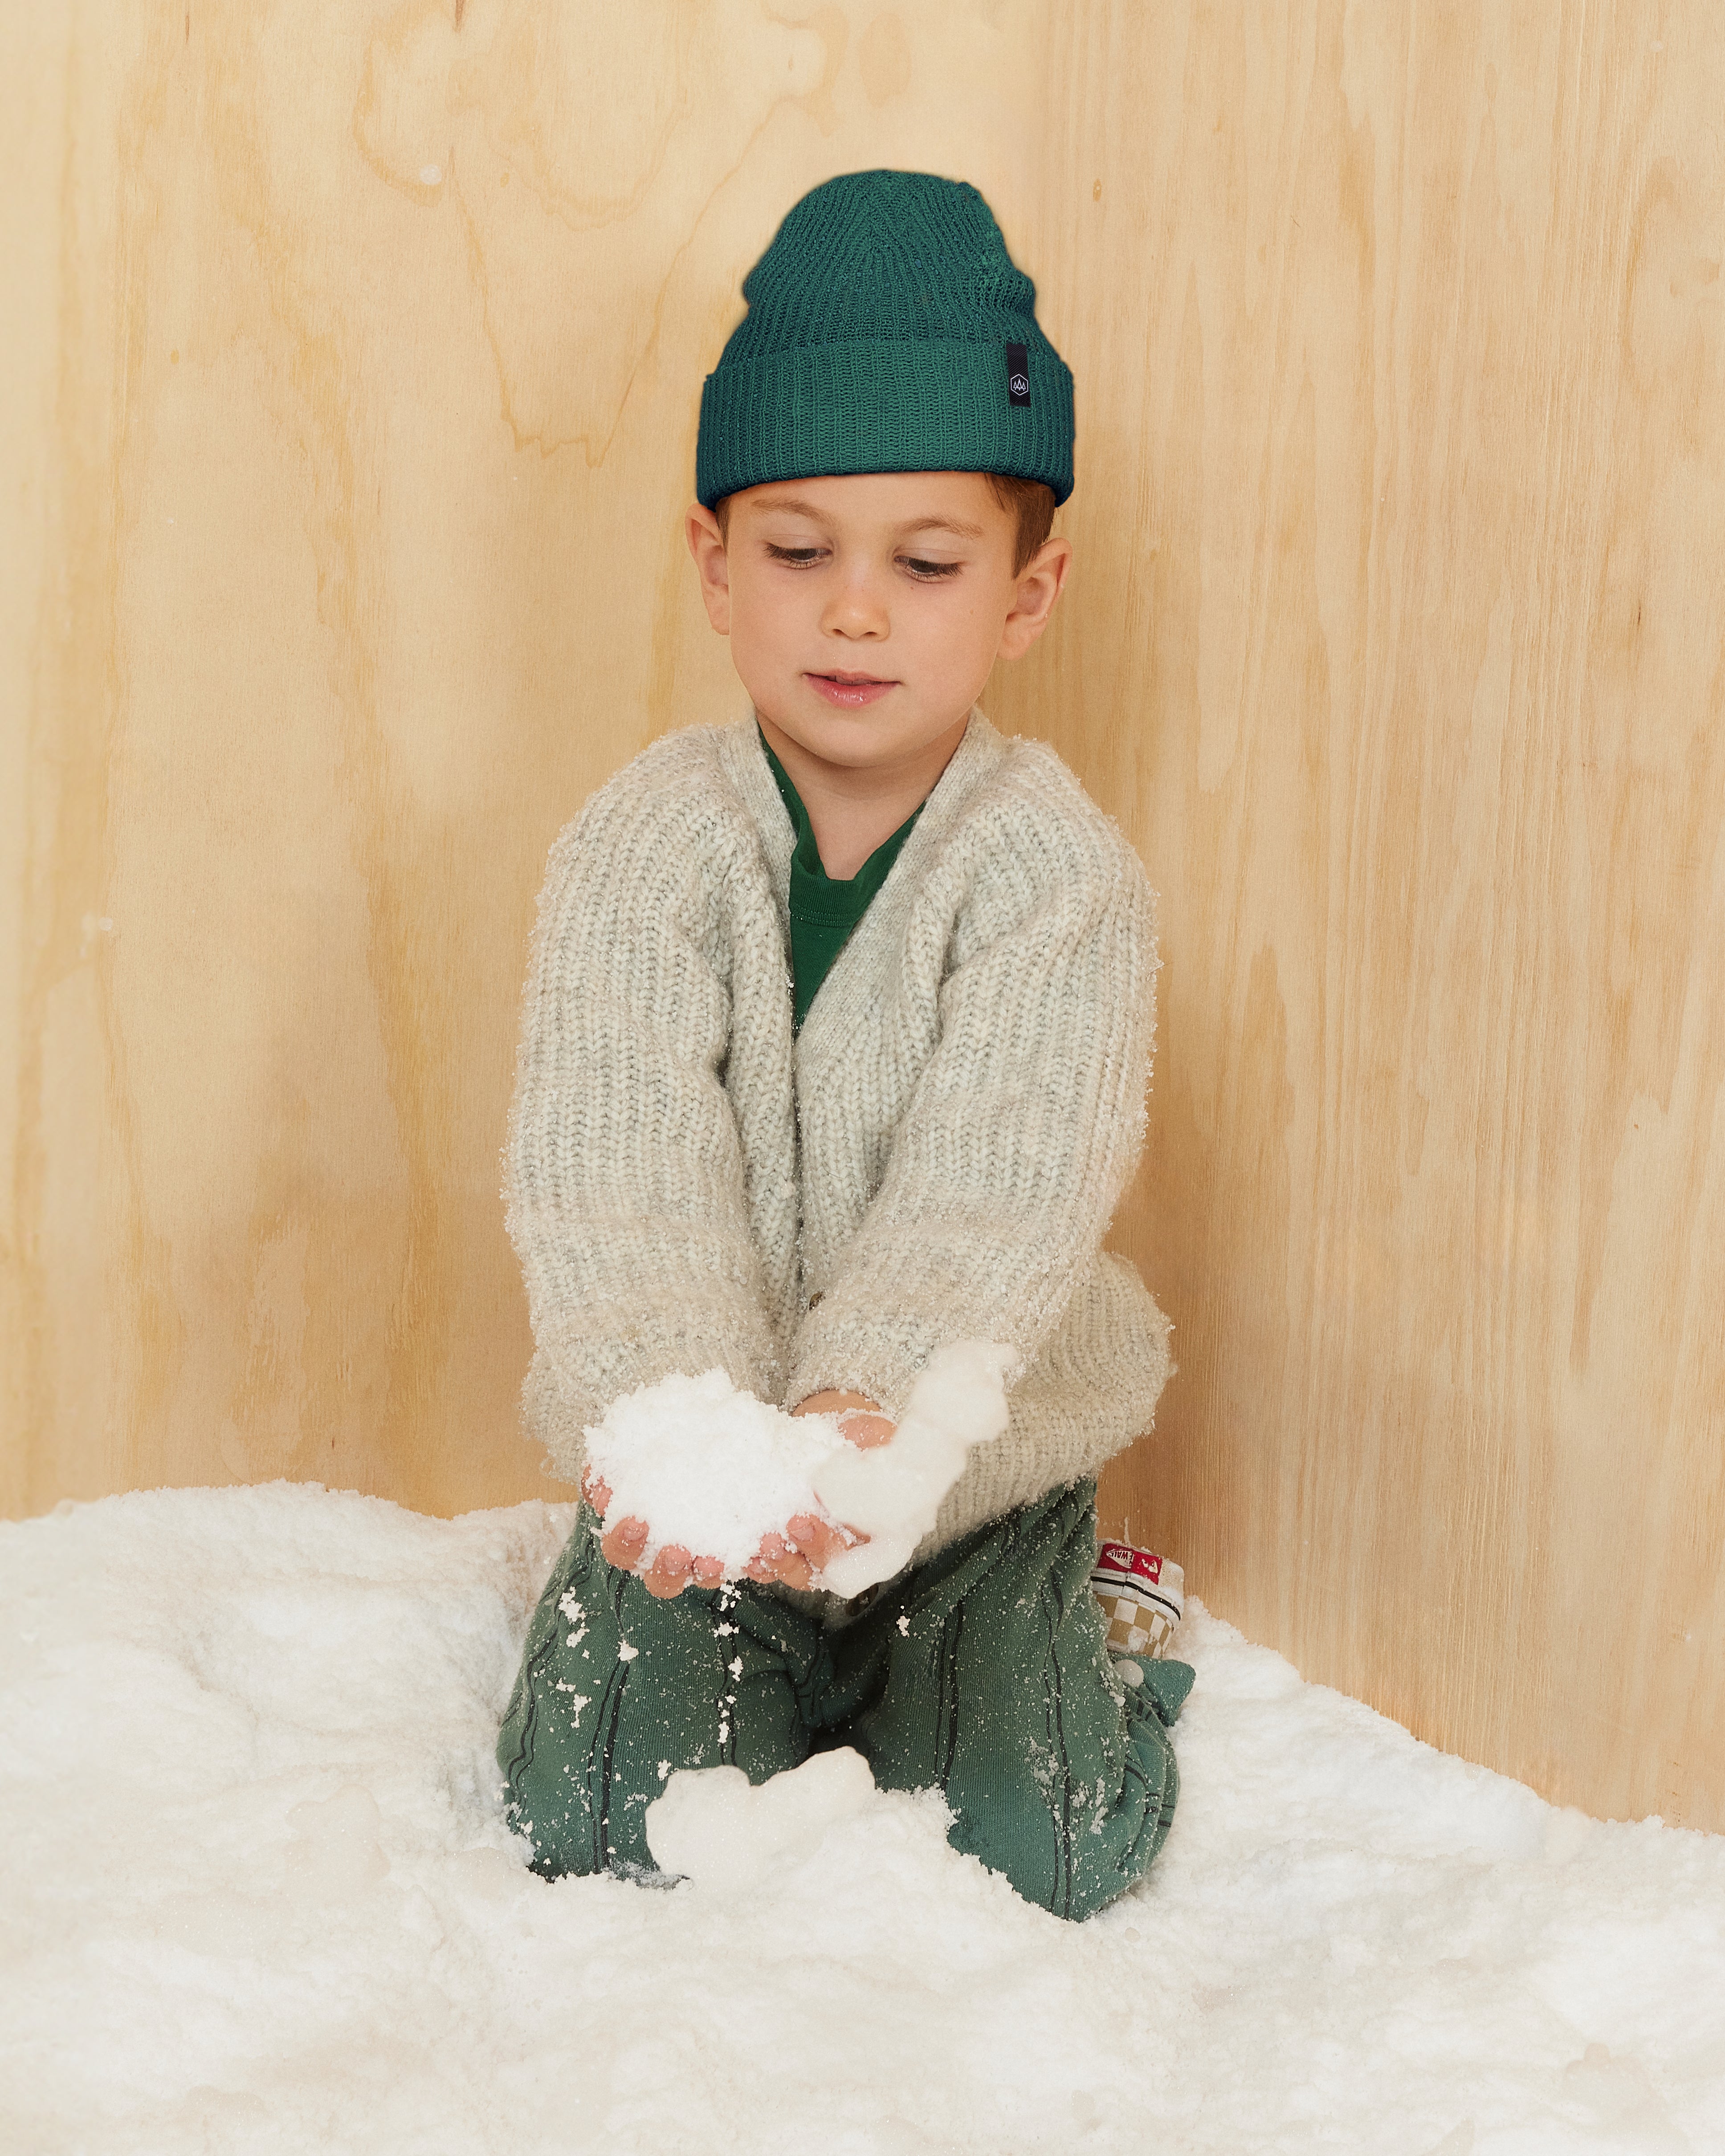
[
  {"x": 714, "y": 1827},
  {"x": 714, "y": 1470},
  {"x": 257, "y": 1898}
]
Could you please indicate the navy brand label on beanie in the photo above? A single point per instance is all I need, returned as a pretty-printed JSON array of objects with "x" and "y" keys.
[{"x": 1017, "y": 374}]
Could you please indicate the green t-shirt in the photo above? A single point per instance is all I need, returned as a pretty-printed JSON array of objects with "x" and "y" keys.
[{"x": 823, "y": 912}]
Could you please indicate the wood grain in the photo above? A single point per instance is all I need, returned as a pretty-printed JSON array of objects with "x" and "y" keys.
[{"x": 348, "y": 413}]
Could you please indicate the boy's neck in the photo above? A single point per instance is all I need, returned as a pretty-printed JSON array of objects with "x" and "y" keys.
[{"x": 853, "y": 810}]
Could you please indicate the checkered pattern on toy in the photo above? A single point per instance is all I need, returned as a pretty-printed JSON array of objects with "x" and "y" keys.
[{"x": 1134, "y": 1627}]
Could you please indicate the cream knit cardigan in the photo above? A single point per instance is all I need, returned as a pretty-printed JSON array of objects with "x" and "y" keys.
[{"x": 934, "y": 1158}]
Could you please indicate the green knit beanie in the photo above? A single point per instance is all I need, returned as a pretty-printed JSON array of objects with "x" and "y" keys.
[{"x": 887, "y": 331}]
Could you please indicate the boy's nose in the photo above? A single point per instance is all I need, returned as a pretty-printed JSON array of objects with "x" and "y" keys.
[{"x": 855, "y": 610}]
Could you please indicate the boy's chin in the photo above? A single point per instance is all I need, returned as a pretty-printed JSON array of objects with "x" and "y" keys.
[{"x": 860, "y": 740}]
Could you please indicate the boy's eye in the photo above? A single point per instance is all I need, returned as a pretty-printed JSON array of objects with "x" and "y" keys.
[{"x": 806, "y": 557}]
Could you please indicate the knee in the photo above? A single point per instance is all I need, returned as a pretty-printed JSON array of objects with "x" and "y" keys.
[
  {"x": 1012, "y": 1829},
  {"x": 1067, "y": 1846},
  {"x": 560, "y": 1835},
  {"x": 545, "y": 1801}
]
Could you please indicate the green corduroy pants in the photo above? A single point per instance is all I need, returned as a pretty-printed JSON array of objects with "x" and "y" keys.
[{"x": 982, "y": 1674}]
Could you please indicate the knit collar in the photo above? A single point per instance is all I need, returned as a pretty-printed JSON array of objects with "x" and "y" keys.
[
  {"x": 806, "y": 865},
  {"x": 837, "y": 1009}
]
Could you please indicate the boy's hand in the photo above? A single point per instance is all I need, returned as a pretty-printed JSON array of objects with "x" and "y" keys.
[
  {"x": 812, "y": 1541},
  {"x": 671, "y": 1571},
  {"x": 793, "y": 1559},
  {"x": 860, "y": 1420}
]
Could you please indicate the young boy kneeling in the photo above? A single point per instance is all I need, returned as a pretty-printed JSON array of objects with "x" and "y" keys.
[{"x": 836, "y": 1035}]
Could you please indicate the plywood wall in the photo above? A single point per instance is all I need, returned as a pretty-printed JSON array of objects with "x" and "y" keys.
[{"x": 351, "y": 362}]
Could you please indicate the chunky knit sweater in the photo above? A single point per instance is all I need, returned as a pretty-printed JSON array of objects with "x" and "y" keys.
[{"x": 934, "y": 1158}]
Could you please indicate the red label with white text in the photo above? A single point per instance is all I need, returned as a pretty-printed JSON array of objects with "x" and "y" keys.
[{"x": 1121, "y": 1556}]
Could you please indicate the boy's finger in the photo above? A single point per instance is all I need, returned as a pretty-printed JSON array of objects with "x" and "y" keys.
[
  {"x": 786, "y": 1565},
  {"x": 776, "y": 1559},
  {"x": 865, "y": 1430},
  {"x": 668, "y": 1574},
  {"x": 623, "y": 1545},
  {"x": 821, "y": 1540},
  {"x": 709, "y": 1571},
  {"x": 598, "y": 1493},
  {"x": 813, "y": 1537}
]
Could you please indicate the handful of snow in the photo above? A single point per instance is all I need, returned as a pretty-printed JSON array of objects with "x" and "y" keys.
[
  {"x": 716, "y": 1470},
  {"x": 708, "y": 1466}
]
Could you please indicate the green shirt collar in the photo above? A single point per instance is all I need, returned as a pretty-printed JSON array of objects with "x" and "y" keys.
[{"x": 824, "y": 910}]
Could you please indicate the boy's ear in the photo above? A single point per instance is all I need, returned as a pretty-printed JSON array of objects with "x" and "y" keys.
[
  {"x": 707, "y": 546},
  {"x": 1039, "y": 586}
]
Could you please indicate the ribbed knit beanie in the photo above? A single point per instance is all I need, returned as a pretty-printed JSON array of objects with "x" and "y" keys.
[{"x": 887, "y": 331}]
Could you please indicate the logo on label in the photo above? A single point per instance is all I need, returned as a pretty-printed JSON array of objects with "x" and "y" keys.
[
  {"x": 1121, "y": 1556},
  {"x": 1017, "y": 374}
]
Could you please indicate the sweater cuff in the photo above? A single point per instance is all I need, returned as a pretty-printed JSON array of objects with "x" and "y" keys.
[
  {"x": 880, "y": 1356},
  {"x": 574, "y": 1377}
]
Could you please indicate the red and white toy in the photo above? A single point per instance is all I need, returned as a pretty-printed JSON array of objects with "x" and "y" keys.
[{"x": 1143, "y": 1598}]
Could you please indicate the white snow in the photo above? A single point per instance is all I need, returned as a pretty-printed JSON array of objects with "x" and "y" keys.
[
  {"x": 254, "y": 1896},
  {"x": 714, "y": 1469},
  {"x": 713, "y": 1827},
  {"x": 892, "y": 1492},
  {"x": 708, "y": 1466}
]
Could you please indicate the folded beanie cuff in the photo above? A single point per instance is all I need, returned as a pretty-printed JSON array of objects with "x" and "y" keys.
[{"x": 882, "y": 405}]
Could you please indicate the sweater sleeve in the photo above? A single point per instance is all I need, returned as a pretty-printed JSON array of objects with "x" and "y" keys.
[
  {"x": 627, "y": 1203},
  {"x": 1021, "y": 1131}
]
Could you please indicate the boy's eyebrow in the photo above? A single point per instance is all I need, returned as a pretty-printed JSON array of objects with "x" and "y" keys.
[
  {"x": 944, "y": 524},
  {"x": 795, "y": 507}
]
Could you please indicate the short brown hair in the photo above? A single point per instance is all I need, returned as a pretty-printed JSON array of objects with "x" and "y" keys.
[{"x": 1032, "y": 500}]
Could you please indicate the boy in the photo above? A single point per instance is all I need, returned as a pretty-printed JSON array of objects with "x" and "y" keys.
[{"x": 836, "y": 1041}]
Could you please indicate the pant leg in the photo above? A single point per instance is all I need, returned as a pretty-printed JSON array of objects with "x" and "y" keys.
[
  {"x": 617, "y": 1689},
  {"x": 985, "y": 1675}
]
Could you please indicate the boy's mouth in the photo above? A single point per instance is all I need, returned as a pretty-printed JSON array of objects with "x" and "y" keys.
[{"x": 849, "y": 691}]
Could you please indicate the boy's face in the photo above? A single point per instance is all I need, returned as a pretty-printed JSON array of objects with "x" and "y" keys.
[{"x": 864, "y": 612}]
